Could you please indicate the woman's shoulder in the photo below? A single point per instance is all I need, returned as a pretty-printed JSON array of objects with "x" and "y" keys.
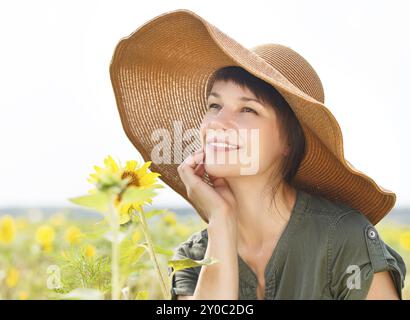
[
  {"x": 355, "y": 244},
  {"x": 333, "y": 215},
  {"x": 318, "y": 206}
]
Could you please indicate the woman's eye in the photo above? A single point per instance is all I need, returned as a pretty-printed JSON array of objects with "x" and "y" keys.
[
  {"x": 249, "y": 110},
  {"x": 213, "y": 105},
  {"x": 217, "y": 106}
]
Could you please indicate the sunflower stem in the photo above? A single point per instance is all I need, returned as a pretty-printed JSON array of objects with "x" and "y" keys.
[
  {"x": 163, "y": 282},
  {"x": 115, "y": 276}
]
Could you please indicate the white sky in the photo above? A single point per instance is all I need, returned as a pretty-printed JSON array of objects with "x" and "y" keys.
[{"x": 58, "y": 115}]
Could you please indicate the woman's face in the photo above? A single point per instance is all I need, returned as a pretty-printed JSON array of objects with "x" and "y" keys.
[{"x": 241, "y": 135}]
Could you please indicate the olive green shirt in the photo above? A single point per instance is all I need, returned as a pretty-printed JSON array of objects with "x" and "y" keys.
[{"x": 327, "y": 250}]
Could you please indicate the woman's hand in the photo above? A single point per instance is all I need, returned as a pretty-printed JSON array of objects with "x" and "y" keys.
[{"x": 210, "y": 201}]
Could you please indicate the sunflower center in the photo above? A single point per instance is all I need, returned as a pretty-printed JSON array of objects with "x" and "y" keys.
[{"x": 134, "y": 178}]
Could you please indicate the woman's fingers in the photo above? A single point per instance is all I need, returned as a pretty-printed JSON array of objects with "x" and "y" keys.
[
  {"x": 200, "y": 170},
  {"x": 187, "y": 168},
  {"x": 211, "y": 178},
  {"x": 219, "y": 182},
  {"x": 194, "y": 159}
]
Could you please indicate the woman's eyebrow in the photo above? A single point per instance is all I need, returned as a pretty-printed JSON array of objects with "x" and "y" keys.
[{"x": 215, "y": 94}]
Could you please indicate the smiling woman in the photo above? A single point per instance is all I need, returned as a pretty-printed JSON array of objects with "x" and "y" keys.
[
  {"x": 273, "y": 251},
  {"x": 319, "y": 240},
  {"x": 264, "y": 105}
]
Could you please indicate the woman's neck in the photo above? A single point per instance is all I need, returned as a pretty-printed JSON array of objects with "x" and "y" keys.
[{"x": 259, "y": 220}]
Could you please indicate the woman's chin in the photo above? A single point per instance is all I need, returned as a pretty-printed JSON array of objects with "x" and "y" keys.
[{"x": 222, "y": 170}]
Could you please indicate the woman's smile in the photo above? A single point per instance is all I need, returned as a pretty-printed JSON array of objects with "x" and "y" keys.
[{"x": 221, "y": 146}]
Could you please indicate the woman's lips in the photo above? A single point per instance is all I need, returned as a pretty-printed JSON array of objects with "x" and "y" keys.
[{"x": 221, "y": 146}]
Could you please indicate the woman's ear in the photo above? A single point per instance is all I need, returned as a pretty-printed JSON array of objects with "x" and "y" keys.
[{"x": 287, "y": 150}]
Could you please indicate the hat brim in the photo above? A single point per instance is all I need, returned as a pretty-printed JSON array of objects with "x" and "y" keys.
[{"x": 160, "y": 73}]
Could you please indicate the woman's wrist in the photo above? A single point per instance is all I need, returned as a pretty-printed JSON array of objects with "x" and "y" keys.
[{"x": 222, "y": 221}]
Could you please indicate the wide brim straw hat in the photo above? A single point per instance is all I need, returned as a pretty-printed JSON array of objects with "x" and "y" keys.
[{"x": 160, "y": 74}]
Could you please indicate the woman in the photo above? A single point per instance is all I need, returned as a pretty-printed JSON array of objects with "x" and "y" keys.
[
  {"x": 241, "y": 219},
  {"x": 289, "y": 217}
]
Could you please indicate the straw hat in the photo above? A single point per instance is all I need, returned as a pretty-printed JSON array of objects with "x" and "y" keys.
[{"x": 160, "y": 74}]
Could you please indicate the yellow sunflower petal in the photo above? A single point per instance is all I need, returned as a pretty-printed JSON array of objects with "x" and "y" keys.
[
  {"x": 124, "y": 208},
  {"x": 131, "y": 165},
  {"x": 93, "y": 177},
  {"x": 144, "y": 167},
  {"x": 148, "y": 179},
  {"x": 137, "y": 206},
  {"x": 98, "y": 169},
  {"x": 111, "y": 165}
]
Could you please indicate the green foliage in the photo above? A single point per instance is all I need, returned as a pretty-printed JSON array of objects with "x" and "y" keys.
[
  {"x": 135, "y": 194},
  {"x": 97, "y": 201},
  {"x": 189, "y": 263}
]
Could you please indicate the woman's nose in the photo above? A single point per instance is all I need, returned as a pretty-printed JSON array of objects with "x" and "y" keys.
[
  {"x": 223, "y": 126},
  {"x": 223, "y": 120}
]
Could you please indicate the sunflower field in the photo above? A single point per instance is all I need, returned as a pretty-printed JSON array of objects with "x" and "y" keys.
[{"x": 125, "y": 254}]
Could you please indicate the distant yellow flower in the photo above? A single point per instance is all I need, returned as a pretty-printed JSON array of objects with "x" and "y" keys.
[
  {"x": 57, "y": 219},
  {"x": 73, "y": 235},
  {"x": 12, "y": 278},
  {"x": 23, "y": 295},
  {"x": 89, "y": 250},
  {"x": 113, "y": 172},
  {"x": 170, "y": 218},
  {"x": 7, "y": 229},
  {"x": 136, "y": 236},
  {"x": 405, "y": 240},
  {"x": 182, "y": 230},
  {"x": 45, "y": 235},
  {"x": 48, "y": 247}
]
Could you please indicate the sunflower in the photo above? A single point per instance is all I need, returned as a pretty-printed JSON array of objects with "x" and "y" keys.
[
  {"x": 115, "y": 177},
  {"x": 73, "y": 235},
  {"x": 7, "y": 229},
  {"x": 13, "y": 276},
  {"x": 107, "y": 177},
  {"x": 45, "y": 236}
]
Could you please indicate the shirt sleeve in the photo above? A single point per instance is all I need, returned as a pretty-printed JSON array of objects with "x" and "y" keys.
[
  {"x": 356, "y": 252},
  {"x": 184, "y": 281}
]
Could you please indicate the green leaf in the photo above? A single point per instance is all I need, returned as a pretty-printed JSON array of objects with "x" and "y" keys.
[
  {"x": 148, "y": 214},
  {"x": 155, "y": 212},
  {"x": 159, "y": 250},
  {"x": 131, "y": 251},
  {"x": 132, "y": 255},
  {"x": 98, "y": 201},
  {"x": 134, "y": 194},
  {"x": 142, "y": 295},
  {"x": 190, "y": 263},
  {"x": 143, "y": 245}
]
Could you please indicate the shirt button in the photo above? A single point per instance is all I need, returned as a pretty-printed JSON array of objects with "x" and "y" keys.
[{"x": 371, "y": 233}]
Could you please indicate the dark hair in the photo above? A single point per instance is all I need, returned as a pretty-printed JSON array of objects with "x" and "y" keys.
[{"x": 290, "y": 128}]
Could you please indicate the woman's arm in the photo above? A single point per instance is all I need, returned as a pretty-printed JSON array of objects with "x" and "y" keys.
[
  {"x": 382, "y": 287},
  {"x": 220, "y": 280},
  {"x": 218, "y": 206}
]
